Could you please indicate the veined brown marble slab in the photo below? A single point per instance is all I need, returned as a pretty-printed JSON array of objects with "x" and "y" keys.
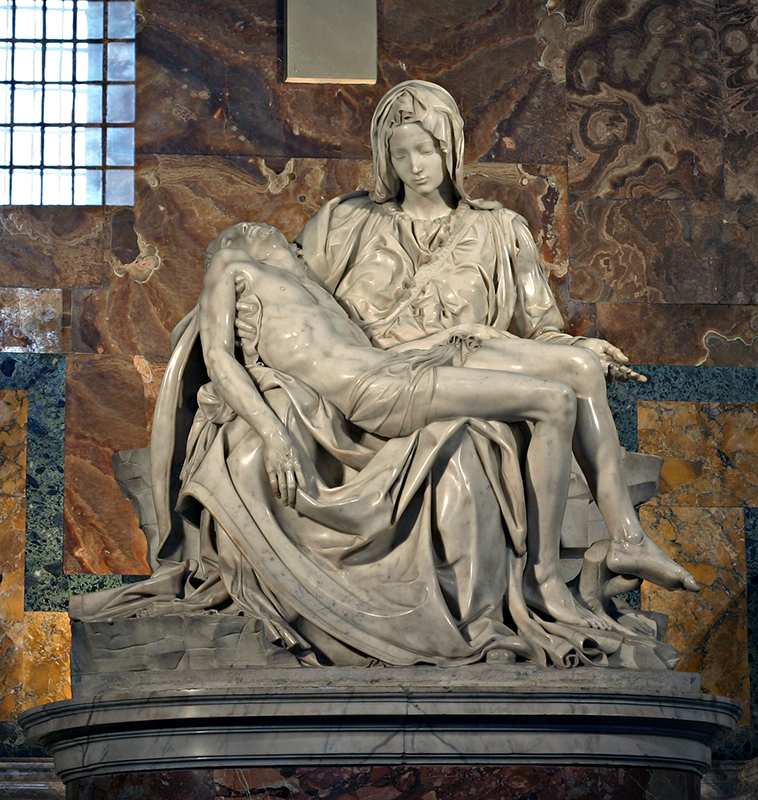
[
  {"x": 655, "y": 251},
  {"x": 210, "y": 79},
  {"x": 52, "y": 246},
  {"x": 13, "y": 419},
  {"x": 643, "y": 99},
  {"x": 109, "y": 405},
  {"x": 536, "y": 191},
  {"x": 676, "y": 334},
  {"x": 739, "y": 81},
  {"x": 740, "y": 245},
  {"x": 709, "y": 628}
]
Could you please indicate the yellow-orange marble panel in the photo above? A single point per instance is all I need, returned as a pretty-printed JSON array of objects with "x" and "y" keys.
[
  {"x": 11, "y": 668},
  {"x": 710, "y": 627},
  {"x": 47, "y": 663},
  {"x": 12, "y": 540},
  {"x": 12, "y": 441},
  {"x": 710, "y": 451}
]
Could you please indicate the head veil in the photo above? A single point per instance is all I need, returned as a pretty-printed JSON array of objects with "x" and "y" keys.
[{"x": 435, "y": 110}]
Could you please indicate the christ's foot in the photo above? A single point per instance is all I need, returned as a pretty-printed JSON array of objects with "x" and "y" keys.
[
  {"x": 645, "y": 560},
  {"x": 553, "y": 598}
]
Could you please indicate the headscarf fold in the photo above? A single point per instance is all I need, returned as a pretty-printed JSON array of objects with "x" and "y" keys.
[{"x": 435, "y": 110}]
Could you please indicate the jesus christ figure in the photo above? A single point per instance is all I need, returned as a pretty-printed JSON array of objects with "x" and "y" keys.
[{"x": 255, "y": 285}]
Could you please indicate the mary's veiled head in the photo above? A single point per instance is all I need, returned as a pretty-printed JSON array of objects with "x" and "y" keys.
[{"x": 435, "y": 110}]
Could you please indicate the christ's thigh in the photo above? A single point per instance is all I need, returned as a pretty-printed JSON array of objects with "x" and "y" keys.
[
  {"x": 498, "y": 395},
  {"x": 553, "y": 362}
]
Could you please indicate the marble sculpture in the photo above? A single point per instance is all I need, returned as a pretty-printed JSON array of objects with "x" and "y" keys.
[{"x": 365, "y": 440}]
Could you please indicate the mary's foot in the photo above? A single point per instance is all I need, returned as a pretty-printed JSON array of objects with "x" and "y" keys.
[
  {"x": 645, "y": 560},
  {"x": 553, "y": 598}
]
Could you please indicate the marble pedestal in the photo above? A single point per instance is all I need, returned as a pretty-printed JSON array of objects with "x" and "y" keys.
[{"x": 367, "y": 733}]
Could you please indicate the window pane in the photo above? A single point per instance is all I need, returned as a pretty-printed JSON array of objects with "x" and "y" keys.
[
  {"x": 89, "y": 19},
  {"x": 121, "y": 20},
  {"x": 5, "y": 104},
  {"x": 89, "y": 62},
  {"x": 28, "y": 21},
  {"x": 120, "y": 103},
  {"x": 27, "y": 62},
  {"x": 59, "y": 62},
  {"x": 59, "y": 102},
  {"x": 26, "y": 185},
  {"x": 88, "y": 187},
  {"x": 6, "y": 48},
  {"x": 89, "y": 103},
  {"x": 5, "y": 187},
  {"x": 120, "y": 152},
  {"x": 56, "y": 187},
  {"x": 60, "y": 19},
  {"x": 6, "y": 19},
  {"x": 5, "y": 146},
  {"x": 89, "y": 146},
  {"x": 27, "y": 146},
  {"x": 119, "y": 187},
  {"x": 121, "y": 61},
  {"x": 58, "y": 146},
  {"x": 27, "y": 104}
]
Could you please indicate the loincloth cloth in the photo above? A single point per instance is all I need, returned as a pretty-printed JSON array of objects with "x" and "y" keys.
[{"x": 394, "y": 398}]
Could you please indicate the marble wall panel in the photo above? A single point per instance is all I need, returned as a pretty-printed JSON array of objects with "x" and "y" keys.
[
  {"x": 31, "y": 320},
  {"x": 211, "y": 79},
  {"x": 52, "y": 246},
  {"x": 13, "y": 423},
  {"x": 47, "y": 662},
  {"x": 710, "y": 452},
  {"x": 709, "y": 628},
  {"x": 536, "y": 191},
  {"x": 109, "y": 404},
  {"x": 681, "y": 334},
  {"x": 12, "y": 525},
  {"x": 644, "y": 99},
  {"x": 13, "y": 420},
  {"x": 739, "y": 83},
  {"x": 740, "y": 247},
  {"x": 654, "y": 251}
]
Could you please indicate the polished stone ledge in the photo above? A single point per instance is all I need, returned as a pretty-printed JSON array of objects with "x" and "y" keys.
[
  {"x": 494, "y": 715},
  {"x": 29, "y": 779}
]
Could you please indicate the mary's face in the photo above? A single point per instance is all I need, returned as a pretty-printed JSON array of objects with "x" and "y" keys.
[{"x": 417, "y": 158}]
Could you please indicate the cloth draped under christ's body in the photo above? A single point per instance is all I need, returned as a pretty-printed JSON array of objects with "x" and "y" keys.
[{"x": 409, "y": 549}]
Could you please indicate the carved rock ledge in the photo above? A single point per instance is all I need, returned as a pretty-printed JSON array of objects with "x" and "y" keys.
[{"x": 485, "y": 714}]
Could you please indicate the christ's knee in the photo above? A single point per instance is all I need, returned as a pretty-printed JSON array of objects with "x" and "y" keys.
[
  {"x": 587, "y": 375},
  {"x": 560, "y": 406}
]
